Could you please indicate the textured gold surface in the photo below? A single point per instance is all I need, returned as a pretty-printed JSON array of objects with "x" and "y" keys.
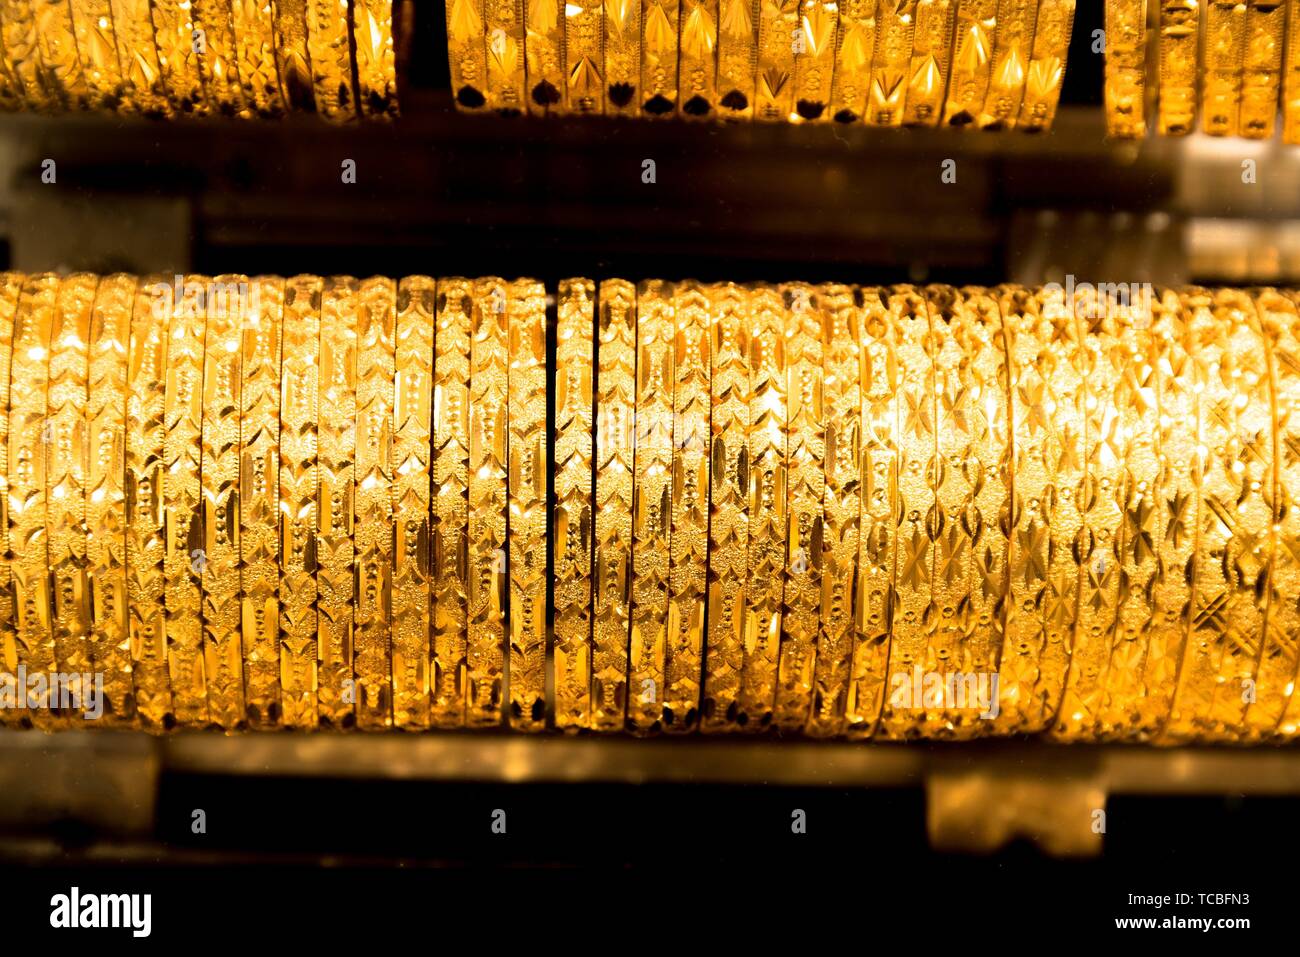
[
  {"x": 1179, "y": 53},
  {"x": 1265, "y": 36},
  {"x": 467, "y": 53},
  {"x": 22, "y": 56},
  {"x": 1046, "y": 69},
  {"x": 1224, "y": 43},
  {"x": 253, "y": 23},
  {"x": 178, "y": 56},
  {"x": 376, "y": 61},
  {"x": 659, "y": 48},
  {"x": 1291, "y": 77},
  {"x": 697, "y": 63},
  {"x": 292, "y": 55},
  {"x": 855, "y": 44},
  {"x": 778, "y": 22},
  {"x": 143, "y": 86},
  {"x": 544, "y": 55},
  {"x": 584, "y": 57},
  {"x": 1010, "y": 64},
  {"x": 329, "y": 52},
  {"x": 218, "y": 56},
  {"x": 97, "y": 50},
  {"x": 978, "y": 31},
  {"x": 622, "y": 40},
  {"x": 814, "y": 64},
  {"x": 1125, "y": 73},
  {"x": 61, "y": 67},
  {"x": 11, "y": 285},
  {"x": 891, "y": 63},
  {"x": 927, "y": 73},
  {"x": 737, "y": 59},
  {"x": 504, "y": 22}
]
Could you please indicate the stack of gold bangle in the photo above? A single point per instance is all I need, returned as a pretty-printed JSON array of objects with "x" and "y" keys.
[
  {"x": 164, "y": 58},
  {"x": 891, "y": 512},
  {"x": 991, "y": 64}
]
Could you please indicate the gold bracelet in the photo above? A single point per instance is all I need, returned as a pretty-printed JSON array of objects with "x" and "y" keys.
[
  {"x": 56, "y": 39},
  {"x": 504, "y": 24},
  {"x": 488, "y": 450},
  {"x": 842, "y": 507},
  {"x": 659, "y": 51},
  {"x": 11, "y": 285},
  {"x": 978, "y": 23},
  {"x": 176, "y": 39},
  {"x": 728, "y": 506},
  {"x": 891, "y": 63},
  {"x": 1262, "y": 80},
  {"x": 255, "y": 58},
  {"x": 1224, "y": 58},
  {"x": 376, "y": 60},
  {"x": 1125, "y": 72},
  {"x": 329, "y": 50},
  {"x": 572, "y": 535},
  {"x": 697, "y": 64},
  {"x": 584, "y": 86},
  {"x": 1046, "y": 69},
  {"x": 615, "y": 449},
  {"x": 96, "y": 47},
  {"x": 300, "y": 376},
  {"x": 336, "y": 455},
  {"x": 855, "y": 43},
  {"x": 1291, "y": 79},
  {"x": 1179, "y": 48},
  {"x": 143, "y": 87},
  {"x": 652, "y": 504},
  {"x": 412, "y": 442},
  {"x": 765, "y": 591},
  {"x": 451, "y": 497},
  {"x": 622, "y": 42},
  {"x": 467, "y": 53},
  {"x": 373, "y": 505},
  {"x": 805, "y": 491},
  {"x": 292, "y": 53},
  {"x": 544, "y": 56},
  {"x": 774, "y": 93},
  {"x": 927, "y": 72},
  {"x": 737, "y": 59},
  {"x": 106, "y": 508},
  {"x": 1016, "y": 26},
  {"x": 878, "y": 539},
  {"x": 527, "y": 454},
  {"x": 814, "y": 63},
  {"x": 21, "y": 56},
  {"x": 261, "y": 323}
]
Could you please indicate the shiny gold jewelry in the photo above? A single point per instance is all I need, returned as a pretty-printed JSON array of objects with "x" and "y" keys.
[
  {"x": 253, "y": 23},
  {"x": 11, "y": 286},
  {"x": 927, "y": 73},
  {"x": 373, "y": 505},
  {"x": 1262, "y": 79},
  {"x": 659, "y": 51},
  {"x": 467, "y": 53},
  {"x": 737, "y": 59},
  {"x": 335, "y": 511},
  {"x": 544, "y": 56},
  {"x": 450, "y": 501},
  {"x": 56, "y": 39},
  {"x": 572, "y": 531},
  {"x": 778, "y": 23},
  {"x": 143, "y": 87},
  {"x": 814, "y": 62},
  {"x": 178, "y": 44},
  {"x": 1015, "y": 38},
  {"x": 300, "y": 372},
  {"x": 376, "y": 60},
  {"x": 22, "y": 55},
  {"x": 724, "y": 652},
  {"x": 765, "y": 580},
  {"x": 855, "y": 43},
  {"x": 1224, "y": 58},
  {"x": 1046, "y": 68},
  {"x": 93, "y": 28},
  {"x": 891, "y": 64},
  {"x": 841, "y": 508},
  {"x": 584, "y": 86},
  {"x": 528, "y": 454},
  {"x": 330, "y": 53},
  {"x": 505, "y": 30},
  {"x": 615, "y": 451},
  {"x": 805, "y": 492},
  {"x": 1179, "y": 52},
  {"x": 1291, "y": 77},
  {"x": 412, "y": 443},
  {"x": 622, "y": 43},
  {"x": 697, "y": 66},
  {"x": 292, "y": 56},
  {"x": 978, "y": 24},
  {"x": 106, "y": 509},
  {"x": 1125, "y": 72},
  {"x": 878, "y": 539},
  {"x": 261, "y": 322},
  {"x": 488, "y": 557},
  {"x": 652, "y": 504}
]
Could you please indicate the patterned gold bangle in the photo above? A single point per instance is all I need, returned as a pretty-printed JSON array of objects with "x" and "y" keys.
[
  {"x": 505, "y": 29},
  {"x": 814, "y": 64},
  {"x": 177, "y": 42},
  {"x": 652, "y": 504},
  {"x": 1179, "y": 45},
  {"x": 372, "y": 26},
  {"x": 615, "y": 451},
  {"x": 584, "y": 84},
  {"x": 292, "y": 55},
  {"x": 622, "y": 42},
  {"x": 412, "y": 442},
  {"x": 20, "y": 58},
  {"x": 728, "y": 506},
  {"x": 927, "y": 73},
  {"x": 1125, "y": 72},
  {"x": 978, "y": 24},
  {"x": 1016, "y": 26},
  {"x": 697, "y": 66},
  {"x": 527, "y": 455},
  {"x": 1262, "y": 80},
  {"x": 11, "y": 285},
  {"x": 841, "y": 508},
  {"x": 96, "y": 45},
  {"x": 329, "y": 50},
  {"x": 774, "y": 93},
  {"x": 544, "y": 56},
  {"x": 467, "y": 53},
  {"x": 373, "y": 505},
  {"x": 1221, "y": 74},
  {"x": 255, "y": 57},
  {"x": 261, "y": 323},
  {"x": 659, "y": 51},
  {"x": 805, "y": 492},
  {"x": 855, "y": 43},
  {"x": 106, "y": 510},
  {"x": 300, "y": 375},
  {"x": 143, "y": 88},
  {"x": 56, "y": 39},
  {"x": 878, "y": 539},
  {"x": 488, "y": 558},
  {"x": 1291, "y": 79},
  {"x": 890, "y": 65},
  {"x": 451, "y": 490},
  {"x": 1046, "y": 69},
  {"x": 572, "y": 536},
  {"x": 737, "y": 59}
]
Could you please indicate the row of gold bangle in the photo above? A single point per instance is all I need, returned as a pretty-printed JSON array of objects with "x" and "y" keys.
[
  {"x": 994, "y": 64},
  {"x": 164, "y": 58},
  {"x": 1231, "y": 65},
  {"x": 893, "y": 512}
]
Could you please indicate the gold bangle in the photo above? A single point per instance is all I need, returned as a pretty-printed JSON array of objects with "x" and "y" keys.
[
  {"x": 96, "y": 45},
  {"x": 652, "y": 504},
  {"x": 373, "y": 505},
  {"x": 890, "y": 65},
  {"x": 261, "y": 322},
  {"x": 978, "y": 23},
  {"x": 855, "y": 42},
  {"x": 329, "y": 50},
  {"x": 878, "y": 538},
  {"x": 737, "y": 59},
  {"x": 300, "y": 376},
  {"x": 106, "y": 509},
  {"x": 1125, "y": 72},
  {"x": 842, "y": 507},
  {"x": 372, "y": 23},
  {"x": 544, "y": 56},
  {"x": 451, "y": 497},
  {"x": 805, "y": 491},
  {"x": 56, "y": 39},
  {"x": 292, "y": 54},
  {"x": 928, "y": 69},
  {"x": 697, "y": 64},
  {"x": 176, "y": 41},
  {"x": 765, "y": 591},
  {"x": 527, "y": 455},
  {"x": 412, "y": 443},
  {"x": 255, "y": 44},
  {"x": 615, "y": 449},
  {"x": 336, "y": 455},
  {"x": 659, "y": 51},
  {"x": 1262, "y": 68},
  {"x": 11, "y": 285},
  {"x": 488, "y": 450},
  {"x": 1015, "y": 38},
  {"x": 1046, "y": 69},
  {"x": 572, "y": 537},
  {"x": 774, "y": 93},
  {"x": 143, "y": 87},
  {"x": 1291, "y": 79},
  {"x": 728, "y": 506},
  {"x": 467, "y": 53},
  {"x": 22, "y": 54},
  {"x": 1224, "y": 58},
  {"x": 622, "y": 42},
  {"x": 1179, "y": 48},
  {"x": 584, "y": 86},
  {"x": 504, "y": 25},
  {"x": 814, "y": 64}
]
